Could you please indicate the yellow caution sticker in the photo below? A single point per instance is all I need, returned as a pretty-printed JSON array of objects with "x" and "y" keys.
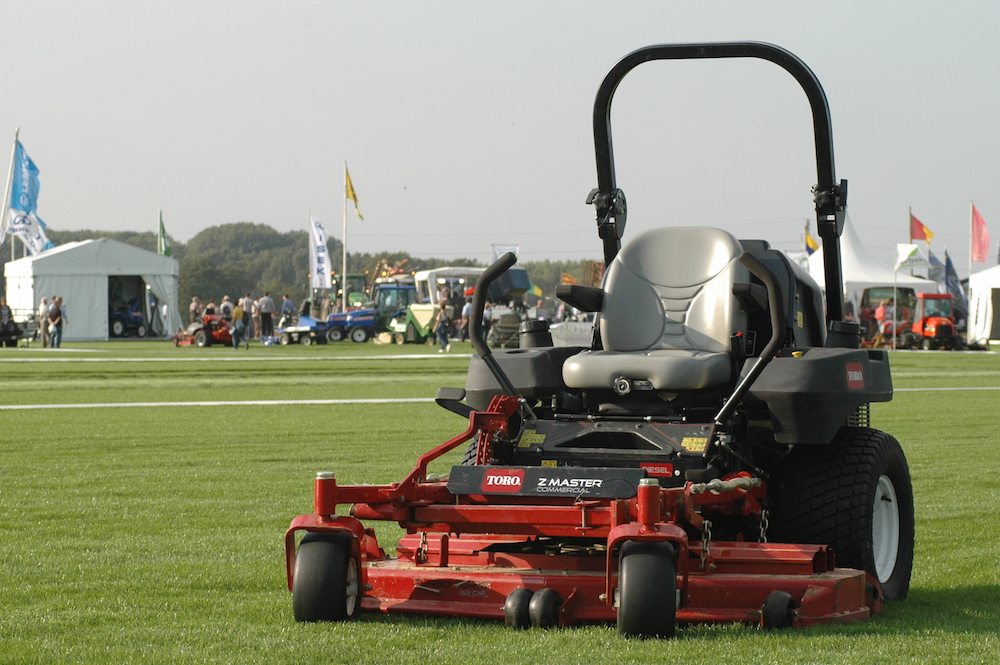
[
  {"x": 530, "y": 438},
  {"x": 694, "y": 444},
  {"x": 800, "y": 320},
  {"x": 551, "y": 463}
]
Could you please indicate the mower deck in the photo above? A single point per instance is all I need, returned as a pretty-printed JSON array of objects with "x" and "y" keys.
[
  {"x": 459, "y": 587},
  {"x": 452, "y": 562}
]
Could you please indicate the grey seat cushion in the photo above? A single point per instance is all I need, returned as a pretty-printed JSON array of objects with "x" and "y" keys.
[
  {"x": 666, "y": 369},
  {"x": 668, "y": 312}
]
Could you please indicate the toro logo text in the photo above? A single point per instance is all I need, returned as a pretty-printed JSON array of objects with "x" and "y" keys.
[
  {"x": 503, "y": 481},
  {"x": 855, "y": 376}
]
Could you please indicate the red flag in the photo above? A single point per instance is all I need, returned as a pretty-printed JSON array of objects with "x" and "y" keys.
[
  {"x": 918, "y": 231},
  {"x": 980, "y": 237}
]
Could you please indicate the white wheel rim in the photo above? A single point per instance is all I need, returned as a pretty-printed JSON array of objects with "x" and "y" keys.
[
  {"x": 885, "y": 529},
  {"x": 351, "y": 586}
]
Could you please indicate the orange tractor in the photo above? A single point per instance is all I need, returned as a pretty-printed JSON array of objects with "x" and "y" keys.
[{"x": 933, "y": 323}]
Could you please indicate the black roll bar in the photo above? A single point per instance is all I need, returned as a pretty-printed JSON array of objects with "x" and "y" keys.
[{"x": 830, "y": 196}]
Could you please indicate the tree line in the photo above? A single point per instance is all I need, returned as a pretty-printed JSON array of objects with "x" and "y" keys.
[{"x": 231, "y": 259}]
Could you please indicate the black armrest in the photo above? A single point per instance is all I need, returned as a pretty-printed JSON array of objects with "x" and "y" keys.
[
  {"x": 451, "y": 399},
  {"x": 751, "y": 296},
  {"x": 584, "y": 298}
]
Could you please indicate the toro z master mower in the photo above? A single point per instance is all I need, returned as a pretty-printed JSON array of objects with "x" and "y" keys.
[{"x": 707, "y": 459}]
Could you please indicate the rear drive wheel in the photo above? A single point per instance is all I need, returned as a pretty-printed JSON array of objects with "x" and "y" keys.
[
  {"x": 325, "y": 586},
  {"x": 335, "y": 334},
  {"x": 117, "y": 328},
  {"x": 140, "y": 331},
  {"x": 202, "y": 338},
  {"x": 305, "y": 340},
  {"x": 647, "y": 590},
  {"x": 854, "y": 495},
  {"x": 285, "y": 339},
  {"x": 359, "y": 335}
]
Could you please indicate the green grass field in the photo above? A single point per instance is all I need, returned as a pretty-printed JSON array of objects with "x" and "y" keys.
[{"x": 154, "y": 533}]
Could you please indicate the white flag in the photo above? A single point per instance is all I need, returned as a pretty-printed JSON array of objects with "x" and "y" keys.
[
  {"x": 31, "y": 230},
  {"x": 909, "y": 256},
  {"x": 319, "y": 258}
]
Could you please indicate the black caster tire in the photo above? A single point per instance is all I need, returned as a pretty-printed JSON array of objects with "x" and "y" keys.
[
  {"x": 327, "y": 582},
  {"x": 647, "y": 590},
  {"x": 515, "y": 608},
  {"x": 543, "y": 608},
  {"x": 778, "y": 611}
]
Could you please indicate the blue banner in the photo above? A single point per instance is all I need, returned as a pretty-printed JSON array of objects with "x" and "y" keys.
[
  {"x": 24, "y": 186},
  {"x": 954, "y": 287}
]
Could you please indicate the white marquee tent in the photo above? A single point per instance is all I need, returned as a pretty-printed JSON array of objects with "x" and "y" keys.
[
  {"x": 86, "y": 274},
  {"x": 984, "y": 305},
  {"x": 862, "y": 270}
]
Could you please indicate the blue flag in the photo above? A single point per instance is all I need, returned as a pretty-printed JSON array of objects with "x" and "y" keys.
[
  {"x": 954, "y": 287},
  {"x": 24, "y": 184},
  {"x": 936, "y": 270}
]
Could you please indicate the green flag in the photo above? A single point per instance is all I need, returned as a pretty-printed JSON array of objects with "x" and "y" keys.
[{"x": 162, "y": 244}]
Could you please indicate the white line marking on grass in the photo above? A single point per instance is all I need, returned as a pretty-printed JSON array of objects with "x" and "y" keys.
[
  {"x": 240, "y": 358},
  {"x": 342, "y": 402},
  {"x": 945, "y": 389},
  {"x": 262, "y": 402}
]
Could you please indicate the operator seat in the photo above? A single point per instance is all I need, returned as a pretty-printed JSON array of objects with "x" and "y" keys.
[{"x": 668, "y": 313}]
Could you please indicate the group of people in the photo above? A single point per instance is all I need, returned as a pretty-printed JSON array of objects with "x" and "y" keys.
[
  {"x": 51, "y": 321},
  {"x": 248, "y": 317}
]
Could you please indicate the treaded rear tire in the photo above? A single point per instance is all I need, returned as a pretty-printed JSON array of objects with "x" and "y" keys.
[{"x": 826, "y": 495}]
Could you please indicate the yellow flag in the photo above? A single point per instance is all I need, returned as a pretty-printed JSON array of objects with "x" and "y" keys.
[{"x": 350, "y": 194}]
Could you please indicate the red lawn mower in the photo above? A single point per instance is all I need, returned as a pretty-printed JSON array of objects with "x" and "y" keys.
[
  {"x": 212, "y": 329},
  {"x": 707, "y": 459}
]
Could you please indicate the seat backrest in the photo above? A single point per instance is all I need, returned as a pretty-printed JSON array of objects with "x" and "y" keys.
[{"x": 672, "y": 288}]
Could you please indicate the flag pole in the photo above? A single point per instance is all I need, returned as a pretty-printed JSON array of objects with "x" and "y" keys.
[
  {"x": 971, "y": 222},
  {"x": 4, "y": 224},
  {"x": 343, "y": 268}
]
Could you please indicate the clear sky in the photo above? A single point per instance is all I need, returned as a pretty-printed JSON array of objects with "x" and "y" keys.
[{"x": 469, "y": 123}]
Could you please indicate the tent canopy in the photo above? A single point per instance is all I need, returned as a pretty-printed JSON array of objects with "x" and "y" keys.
[
  {"x": 862, "y": 270},
  {"x": 984, "y": 305},
  {"x": 80, "y": 272}
]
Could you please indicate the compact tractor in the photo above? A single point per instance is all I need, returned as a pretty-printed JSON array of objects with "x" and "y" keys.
[
  {"x": 708, "y": 458},
  {"x": 934, "y": 323}
]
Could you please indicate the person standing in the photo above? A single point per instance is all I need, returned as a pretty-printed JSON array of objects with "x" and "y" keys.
[
  {"x": 43, "y": 321},
  {"x": 56, "y": 322},
  {"x": 266, "y": 306},
  {"x": 226, "y": 309},
  {"x": 255, "y": 319},
  {"x": 441, "y": 323},
  {"x": 239, "y": 326},
  {"x": 194, "y": 310},
  {"x": 247, "y": 304},
  {"x": 463, "y": 332},
  {"x": 287, "y": 309}
]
